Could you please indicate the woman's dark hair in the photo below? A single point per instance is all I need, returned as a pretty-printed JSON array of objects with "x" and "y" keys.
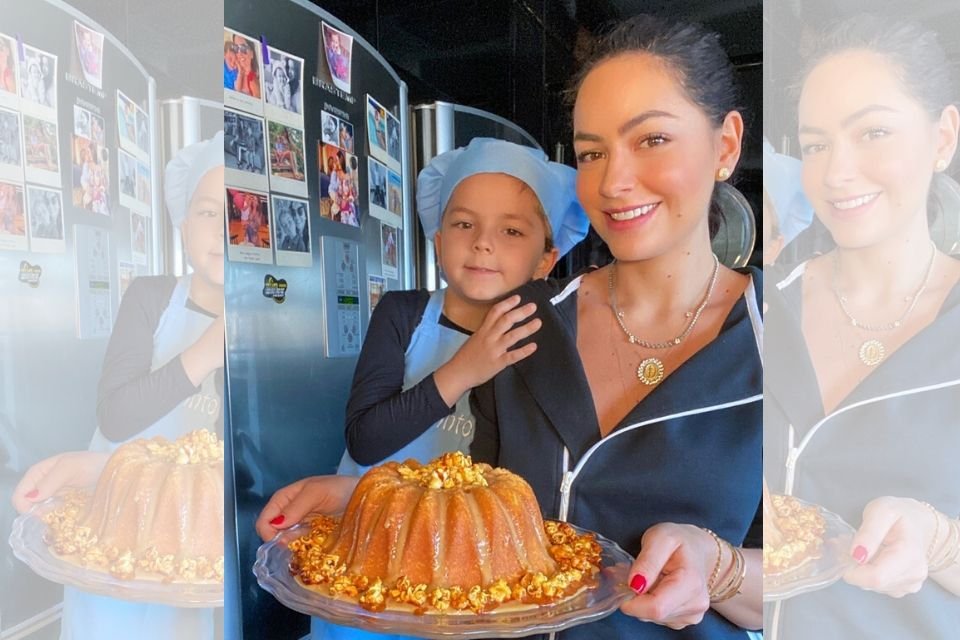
[
  {"x": 916, "y": 58},
  {"x": 919, "y": 62},
  {"x": 692, "y": 53}
]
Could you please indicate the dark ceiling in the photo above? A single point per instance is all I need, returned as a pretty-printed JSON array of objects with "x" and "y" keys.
[{"x": 515, "y": 57}]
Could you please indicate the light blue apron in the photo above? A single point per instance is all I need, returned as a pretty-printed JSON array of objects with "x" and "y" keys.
[
  {"x": 91, "y": 617},
  {"x": 431, "y": 346}
]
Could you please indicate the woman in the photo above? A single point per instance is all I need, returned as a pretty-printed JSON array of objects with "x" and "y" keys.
[
  {"x": 248, "y": 72},
  {"x": 663, "y": 341},
  {"x": 675, "y": 448},
  {"x": 856, "y": 344}
]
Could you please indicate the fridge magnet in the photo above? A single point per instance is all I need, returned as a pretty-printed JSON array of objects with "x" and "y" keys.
[
  {"x": 81, "y": 122},
  {"x": 13, "y": 219},
  {"x": 126, "y": 272},
  {"x": 244, "y": 151},
  {"x": 248, "y": 227},
  {"x": 41, "y": 151},
  {"x": 274, "y": 289},
  {"x": 97, "y": 130},
  {"x": 127, "y": 123},
  {"x": 393, "y": 141},
  {"x": 242, "y": 81},
  {"x": 9, "y": 91},
  {"x": 94, "y": 295},
  {"x": 11, "y": 153},
  {"x": 339, "y": 193},
  {"x": 45, "y": 213},
  {"x": 329, "y": 129},
  {"x": 143, "y": 134},
  {"x": 283, "y": 88},
  {"x": 291, "y": 228},
  {"x": 377, "y": 130},
  {"x": 377, "y": 193},
  {"x": 138, "y": 238},
  {"x": 91, "y": 176},
  {"x": 337, "y": 57},
  {"x": 376, "y": 287},
  {"x": 394, "y": 193},
  {"x": 143, "y": 186},
  {"x": 389, "y": 250},
  {"x": 90, "y": 53},
  {"x": 127, "y": 173},
  {"x": 287, "y": 159},
  {"x": 38, "y": 83},
  {"x": 30, "y": 274}
]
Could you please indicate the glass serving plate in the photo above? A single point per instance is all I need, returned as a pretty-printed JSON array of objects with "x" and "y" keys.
[
  {"x": 817, "y": 574},
  {"x": 272, "y": 571},
  {"x": 27, "y": 541}
]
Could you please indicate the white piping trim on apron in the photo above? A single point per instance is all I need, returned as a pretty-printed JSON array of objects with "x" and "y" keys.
[
  {"x": 796, "y": 273},
  {"x": 572, "y": 286}
]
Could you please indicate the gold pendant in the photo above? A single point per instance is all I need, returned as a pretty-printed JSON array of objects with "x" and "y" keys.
[
  {"x": 872, "y": 353},
  {"x": 650, "y": 371}
]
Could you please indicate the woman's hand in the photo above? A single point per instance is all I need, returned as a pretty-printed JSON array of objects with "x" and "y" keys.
[
  {"x": 891, "y": 546},
  {"x": 77, "y": 469},
  {"x": 670, "y": 575},
  {"x": 488, "y": 351},
  {"x": 327, "y": 495}
]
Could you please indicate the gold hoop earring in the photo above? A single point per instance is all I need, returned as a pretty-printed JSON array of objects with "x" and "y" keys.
[
  {"x": 723, "y": 173},
  {"x": 941, "y": 165}
]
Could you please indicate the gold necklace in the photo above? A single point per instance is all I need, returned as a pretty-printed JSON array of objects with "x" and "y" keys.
[
  {"x": 872, "y": 352},
  {"x": 651, "y": 370}
]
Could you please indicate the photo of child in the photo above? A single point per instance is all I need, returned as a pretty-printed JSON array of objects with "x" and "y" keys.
[
  {"x": 337, "y": 56},
  {"x": 90, "y": 52}
]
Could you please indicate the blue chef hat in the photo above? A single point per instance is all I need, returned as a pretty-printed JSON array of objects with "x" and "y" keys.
[
  {"x": 184, "y": 172},
  {"x": 553, "y": 184}
]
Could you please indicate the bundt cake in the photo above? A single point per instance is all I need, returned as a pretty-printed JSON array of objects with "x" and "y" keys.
[
  {"x": 446, "y": 535},
  {"x": 157, "y": 510}
]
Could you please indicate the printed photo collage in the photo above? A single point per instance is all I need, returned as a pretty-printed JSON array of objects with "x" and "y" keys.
[
  {"x": 268, "y": 216},
  {"x": 33, "y": 195},
  {"x": 31, "y": 204}
]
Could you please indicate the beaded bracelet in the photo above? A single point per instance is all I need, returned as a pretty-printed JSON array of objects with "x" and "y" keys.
[
  {"x": 738, "y": 574},
  {"x": 712, "y": 582}
]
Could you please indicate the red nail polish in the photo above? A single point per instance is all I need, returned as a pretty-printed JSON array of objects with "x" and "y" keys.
[
  {"x": 277, "y": 521},
  {"x": 860, "y": 554},
  {"x": 30, "y": 495},
  {"x": 638, "y": 583}
]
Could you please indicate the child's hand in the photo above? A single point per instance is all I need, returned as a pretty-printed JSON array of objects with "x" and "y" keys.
[
  {"x": 73, "y": 469},
  {"x": 314, "y": 495},
  {"x": 488, "y": 352}
]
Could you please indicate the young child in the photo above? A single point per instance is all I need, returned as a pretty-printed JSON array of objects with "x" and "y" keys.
[{"x": 500, "y": 215}]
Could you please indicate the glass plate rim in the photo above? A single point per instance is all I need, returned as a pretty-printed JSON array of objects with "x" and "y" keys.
[
  {"x": 837, "y": 529},
  {"x": 26, "y": 540},
  {"x": 610, "y": 594}
]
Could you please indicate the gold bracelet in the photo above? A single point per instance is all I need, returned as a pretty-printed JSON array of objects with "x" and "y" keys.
[
  {"x": 950, "y": 551},
  {"x": 712, "y": 582},
  {"x": 936, "y": 531},
  {"x": 733, "y": 587},
  {"x": 944, "y": 556}
]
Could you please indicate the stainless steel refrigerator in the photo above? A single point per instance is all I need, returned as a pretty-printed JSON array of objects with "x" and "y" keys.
[
  {"x": 288, "y": 369},
  {"x": 69, "y": 245}
]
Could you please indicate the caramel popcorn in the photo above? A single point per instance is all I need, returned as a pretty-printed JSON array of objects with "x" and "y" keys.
[
  {"x": 801, "y": 528},
  {"x": 449, "y": 471},
  {"x": 577, "y": 556}
]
